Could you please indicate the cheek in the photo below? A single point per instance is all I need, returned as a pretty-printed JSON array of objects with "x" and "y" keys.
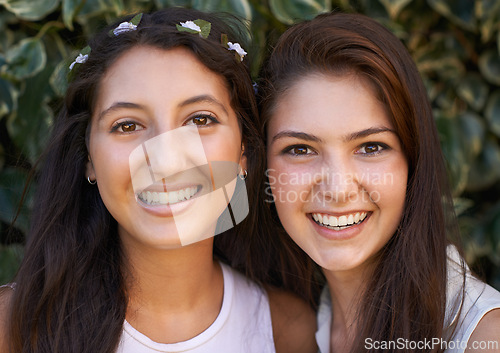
[
  {"x": 290, "y": 191},
  {"x": 225, "y": 146},
  {"x": 111, "y": 166}
]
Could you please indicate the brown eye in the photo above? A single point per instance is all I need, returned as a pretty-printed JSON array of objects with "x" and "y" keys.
[
  {"x": 129, "y": 127},
  {"x": 126, "y": 127},
  {"x": 200, "y": 120},
  {"x": 299, "y": 150},
  {"x": 372, "y": 148}
]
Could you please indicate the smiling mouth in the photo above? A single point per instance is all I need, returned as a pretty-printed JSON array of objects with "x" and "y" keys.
[
  {"x": 341, "y": 222},
  {"x": 168, "y": 198}
]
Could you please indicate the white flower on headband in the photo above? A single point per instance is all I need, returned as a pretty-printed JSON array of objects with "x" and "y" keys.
[
  {"x": 191, "y": 25},
  {"x": 198, "y": 26},
  {"x": 80, "y": 59},
  {"x": 124, "y": 27},
  {"x": 237, "y": 47}
]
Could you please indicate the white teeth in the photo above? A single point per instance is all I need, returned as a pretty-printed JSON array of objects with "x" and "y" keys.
[
  {"x": 166, "y": 198},
  {"x": 172, "y": 197},
  {"x": 342, "y": 221},
  {"x": 339, "y": 222},
  {"x": 333, "y": 221}
]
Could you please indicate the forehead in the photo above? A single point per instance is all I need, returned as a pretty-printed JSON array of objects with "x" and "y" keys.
[
  {"x": 146, "y": 73},
  {"x": 329, "y": 103}
]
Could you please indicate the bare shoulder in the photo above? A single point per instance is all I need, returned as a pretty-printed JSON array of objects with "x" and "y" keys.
[
  {"x": 294, "y": 322},
  {"x": 5, "y": 305},
  {"x": 485, "y": 338}
]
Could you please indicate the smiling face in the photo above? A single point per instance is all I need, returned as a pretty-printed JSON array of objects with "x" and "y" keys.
[
  {"x": 337, "y": 170},
  {"x": 161, "y": 122}
]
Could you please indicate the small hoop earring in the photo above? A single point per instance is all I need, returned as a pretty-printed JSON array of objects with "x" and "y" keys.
[
  {"x": 91, "y": 182},
  {"x": 244, "y": 175}
]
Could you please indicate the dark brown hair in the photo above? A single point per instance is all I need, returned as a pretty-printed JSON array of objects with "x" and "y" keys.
[
  {"x": 70, "y": 294},
  {"x": 406, "y": 296}
]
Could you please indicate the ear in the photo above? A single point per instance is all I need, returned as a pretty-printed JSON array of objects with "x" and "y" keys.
[
  {"x": 90, "y": 172},
  {"x": 243, "y": 157}
]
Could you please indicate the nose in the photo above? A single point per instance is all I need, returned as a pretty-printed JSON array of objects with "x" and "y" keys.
[
  {"x": 165, "y": 155},
  {"x": 338, "y": 181}
]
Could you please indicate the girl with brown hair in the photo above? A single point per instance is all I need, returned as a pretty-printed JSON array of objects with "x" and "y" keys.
[
  {"x": 357, "y": 178},
  {"x": 146, "y": 164}
]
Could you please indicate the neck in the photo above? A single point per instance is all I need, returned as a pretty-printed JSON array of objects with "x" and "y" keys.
[
  {"x": 346, "y": 291},
  {"x": 169, "y": 290}
]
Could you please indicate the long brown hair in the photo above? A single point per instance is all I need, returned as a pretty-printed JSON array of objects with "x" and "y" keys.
[
  {"x": 70, "y": 294},
  {"x": 406, "y": 296}
]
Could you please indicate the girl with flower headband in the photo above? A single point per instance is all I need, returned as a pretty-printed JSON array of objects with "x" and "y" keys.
[
  {"x": 149, "y": 159},
  {"x": 347, "y": 118}
]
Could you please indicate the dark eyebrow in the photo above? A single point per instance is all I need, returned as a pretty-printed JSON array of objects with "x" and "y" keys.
[
  {"x": 204, "y": 98},
  {"x": 367, "y": 132},
  {"x": 348, "y": 138},
  {"x": 118, "y": 106},
  {"x": 297, "y": 135}
]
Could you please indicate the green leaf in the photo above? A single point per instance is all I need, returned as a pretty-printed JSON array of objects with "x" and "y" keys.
[
  {"x": 498, "y": 42},
  {"x": 492, "y": 112},
  {"x": 69, "y": 10},
  {"x": 458, "y": 11},
  {"x": 489, "y": 65},
  {"x": 454, "y": 153},
  {"x": 462, "y": 141},
  {"x": 10, "y": 259},
  {"x": 485, "y": 169},
  {"x": 26, "y": 59},
  {"x": 241, "y": 8},
  {"x": 172, "y": 3},
  {"x": 292, "y": 11},
  {"x": 93, "y": 12},
  {"x": 204, "y": 26},
  {"x": 8, "y": 98},
  {"x": 59, "y": 78},
  {"x": 461, "y": 205},
  {"x": 12, "y": 184},
  {"x": 473, "y": 90},
  {"x": 394, "y": 7},
  {"x": 472, "y": 134},
  {"x": 31, "y": 10},
  {"x": 29, "y": 127},
  {"x": 440, "y": 57},
  {"x": 188, "y": 30},
  {"x": 136, "y": 19},
  {"x": 488, "y": 14}
]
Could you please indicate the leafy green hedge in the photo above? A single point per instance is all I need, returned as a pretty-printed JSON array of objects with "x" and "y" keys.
[{"x": 456, "y": 44}]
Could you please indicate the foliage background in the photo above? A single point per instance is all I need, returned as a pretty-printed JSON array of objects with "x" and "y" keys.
[{"x": 455, "y": 43}]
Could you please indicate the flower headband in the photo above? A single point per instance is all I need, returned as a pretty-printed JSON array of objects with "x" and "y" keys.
[
  {"x": 199, "y": 26},
  {"x": 202, "y": 28}
]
